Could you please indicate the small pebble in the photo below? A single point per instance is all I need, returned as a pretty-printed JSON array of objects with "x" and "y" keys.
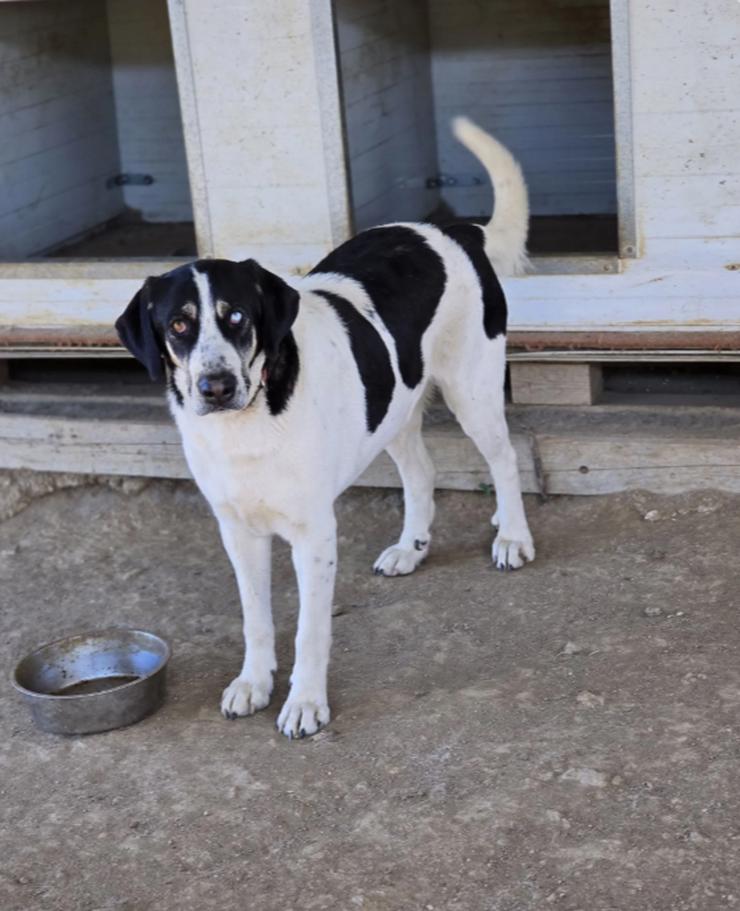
[
  {"x": 590, "y": 778},
  {"x": 653, "y": 611},
  {"x": 652, "y": 515}
]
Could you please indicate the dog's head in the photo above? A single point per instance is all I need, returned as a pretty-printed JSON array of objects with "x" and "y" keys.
[{"x": 214, "y": 327}]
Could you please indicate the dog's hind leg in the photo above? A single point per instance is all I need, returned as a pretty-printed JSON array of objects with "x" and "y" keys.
[
  {"x": 250, "y": 556},
  {"x": 475, "y": 393},
  {"x": 417, "y": 475}
]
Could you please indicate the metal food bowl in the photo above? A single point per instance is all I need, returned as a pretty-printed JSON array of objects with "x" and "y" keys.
[{"x": 94, "y": 681}]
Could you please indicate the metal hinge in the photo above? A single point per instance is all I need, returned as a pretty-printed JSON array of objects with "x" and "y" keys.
[
  {"x": 454, "y": 180},
  {"x": 129, "y": 180},
  {"x": 440, "y": 180}
]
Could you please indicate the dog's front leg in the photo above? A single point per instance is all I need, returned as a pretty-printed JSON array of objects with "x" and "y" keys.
[
  {"x": 314, "y": 559},
  {"x": 250, "y": 557}
]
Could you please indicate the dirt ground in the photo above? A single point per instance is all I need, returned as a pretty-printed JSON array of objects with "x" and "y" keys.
[{"x": 563, "y": 737}]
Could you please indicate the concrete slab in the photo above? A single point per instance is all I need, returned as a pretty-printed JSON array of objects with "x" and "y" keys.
[{"x": 565, "y": 736}]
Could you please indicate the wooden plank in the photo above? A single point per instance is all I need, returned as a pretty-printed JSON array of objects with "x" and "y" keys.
[
  {"x": 152, "y": 449},
  {"x": 579, "y": 464},
  {"x": 94, "y": 446},
  {"x": 616, "y": 456},
  {"x": 554, "y": 384}
]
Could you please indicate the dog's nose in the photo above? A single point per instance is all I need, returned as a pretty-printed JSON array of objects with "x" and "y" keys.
[{"x": 217, "y": 388}]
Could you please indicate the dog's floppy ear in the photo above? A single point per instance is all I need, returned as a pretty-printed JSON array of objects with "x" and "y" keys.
[
  {"x": 279, "y": 306},
  {"x": 136, "y": 330}
]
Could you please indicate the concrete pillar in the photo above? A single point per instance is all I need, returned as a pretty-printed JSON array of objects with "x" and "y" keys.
[{"x": 259, "y": 91}]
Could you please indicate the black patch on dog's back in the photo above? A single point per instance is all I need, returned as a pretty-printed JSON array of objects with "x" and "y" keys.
[
  {"x": 404, "y": 279},
  {"x": 472, "y": 239},
  {"x": 371, "y": 355}
]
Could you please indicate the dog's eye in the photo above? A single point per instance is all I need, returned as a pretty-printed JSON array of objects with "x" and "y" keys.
[
  {"x": 235, "y": 318},
  {"x": 179, "y": 326}
]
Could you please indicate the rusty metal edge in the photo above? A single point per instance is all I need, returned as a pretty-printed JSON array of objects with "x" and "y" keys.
[
  {"x": 88, "y": 337},
  {"x": 624, "y": 341},
  {"x": 101, "y": 337}
]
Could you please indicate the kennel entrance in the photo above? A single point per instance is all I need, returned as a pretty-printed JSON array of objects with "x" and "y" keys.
[
  {"x": 92, "y": 153},
  {"x": 535, "y": 73}
]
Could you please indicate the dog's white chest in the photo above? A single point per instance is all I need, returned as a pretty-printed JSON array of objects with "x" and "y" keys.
[{"x": 239, "y": 471}]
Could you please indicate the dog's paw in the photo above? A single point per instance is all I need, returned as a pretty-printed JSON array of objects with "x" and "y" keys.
[
  {"x": 245, "y": 697},
  {"x": 512, "y": 551},
  {"x": 400, "y": 561},
  {"x": 302, "y": 717}
]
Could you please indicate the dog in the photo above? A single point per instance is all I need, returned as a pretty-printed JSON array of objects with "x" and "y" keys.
[{"x": 285, "y": 391}]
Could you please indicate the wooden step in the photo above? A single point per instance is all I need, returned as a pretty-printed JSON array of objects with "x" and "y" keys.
[{"x": 568, "y": 450}]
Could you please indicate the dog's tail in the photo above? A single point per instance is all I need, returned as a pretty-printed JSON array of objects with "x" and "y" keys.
[{"x": 506, "y": 232}]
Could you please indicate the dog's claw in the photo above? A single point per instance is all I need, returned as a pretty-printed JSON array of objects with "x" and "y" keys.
[{"x": 302, "y": 718}]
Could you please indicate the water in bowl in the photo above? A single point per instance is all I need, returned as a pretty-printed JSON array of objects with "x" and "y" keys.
[{"x": 96, "y": 685}]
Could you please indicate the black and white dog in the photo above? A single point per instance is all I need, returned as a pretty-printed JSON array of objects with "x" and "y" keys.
[{"x": 284, "y": 392}]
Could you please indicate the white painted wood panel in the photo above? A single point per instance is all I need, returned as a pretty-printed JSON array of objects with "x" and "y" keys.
[
  {"x": 57, "y": 128},
  {"x": 537, "y": 74},
  {"x": 149, "y": 123},
  {"x": 386, "y": 81}
]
